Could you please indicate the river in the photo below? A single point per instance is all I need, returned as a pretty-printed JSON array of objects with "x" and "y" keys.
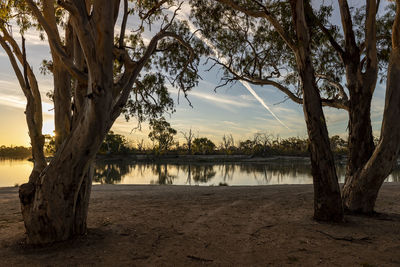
[{"x": 16, "y": 172}]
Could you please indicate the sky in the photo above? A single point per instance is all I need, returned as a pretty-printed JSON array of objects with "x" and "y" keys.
[{"x": 240, "y": 110}]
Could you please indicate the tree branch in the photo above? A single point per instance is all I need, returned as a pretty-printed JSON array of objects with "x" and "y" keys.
[
  {"x": 130, "y": 75},
  {"x": 325, "y": 30},
  {"x": 370, "y": 40},
  {"x": 335, "y": 103},
  {"x": 347, "y": 23},
  {"x": 54, "y": 42},
  {"x": 342, "y": 92},
  {"x": 16, "y": 69},
  {"x": 263, "y": 14},
  {"x": 123, "y": 25}
]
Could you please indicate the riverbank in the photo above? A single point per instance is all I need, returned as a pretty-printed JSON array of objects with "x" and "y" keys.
[{"x": 216, "y": 226}]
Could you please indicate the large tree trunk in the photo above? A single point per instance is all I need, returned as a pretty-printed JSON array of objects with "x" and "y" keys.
[
  {"x": 56, "y": 209},
  {"x": 361, "y": 143},
  {"x": 361, "y": 77},
  {"x": 368, "y": 167},
  {"x": 363, "y": 187},
  {"x": 327, "y": 200}
]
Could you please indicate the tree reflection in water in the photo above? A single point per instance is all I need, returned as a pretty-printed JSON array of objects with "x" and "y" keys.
[
  {"x": 203, "y": 173},
  {"x": 110, "y": 173},
  {"x": 198, "y": 173},
  {"x": 164, "y": 177}
]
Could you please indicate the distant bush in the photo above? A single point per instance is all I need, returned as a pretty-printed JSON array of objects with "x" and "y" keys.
[{"x": 15, "y": 152}]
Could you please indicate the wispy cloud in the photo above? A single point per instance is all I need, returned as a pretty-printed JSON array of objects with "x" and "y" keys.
[
  {"x": 220, "y": 99},
  {"x": 20, "y": 103}
]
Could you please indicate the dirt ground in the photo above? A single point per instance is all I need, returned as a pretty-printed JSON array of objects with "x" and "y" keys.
[{"x": 216, "y": 226}]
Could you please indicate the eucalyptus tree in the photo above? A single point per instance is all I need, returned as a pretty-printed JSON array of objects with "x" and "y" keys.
[
  {"x": 263, "y": 40},
  {"x": 163, "y": 133},
  {"x": 249, "y": 35},
  {"x": 102, "y": 73}
]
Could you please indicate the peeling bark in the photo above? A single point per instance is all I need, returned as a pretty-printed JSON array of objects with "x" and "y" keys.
[
  {"x": 362, "y": 189},
  {"x": 57, "y": 208},
  {"x": 327, "y": 201}
]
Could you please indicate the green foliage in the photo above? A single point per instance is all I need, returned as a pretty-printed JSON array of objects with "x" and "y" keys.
[
  {"x": 251, "y": 46},
  {"x": 203, "y": 146},
  {"x": 338, "y": 144},
  {"x": 114, "y": 144},
  {"x": 251, "y": 49},
  {"x": 172, "y": 63},
  {"x": 16, "y": 11},
  {"x": 152, "y": 98},
  {"x": 262, "y": 145},
  {"x": 162, "y": 133}
]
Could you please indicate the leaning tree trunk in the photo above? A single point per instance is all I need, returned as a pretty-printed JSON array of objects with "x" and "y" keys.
[
  {"x": 33, "y": 112},
  {"x": 56, "y": 209},
  {"x": 363, "y": 187},
  {"x": 327, "y": 200}
]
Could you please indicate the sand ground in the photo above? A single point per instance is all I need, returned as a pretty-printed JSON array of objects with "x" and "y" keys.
[{"x": 216, "y": 226}]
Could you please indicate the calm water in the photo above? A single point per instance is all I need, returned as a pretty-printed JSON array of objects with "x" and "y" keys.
[{"x": 287, "y": 172}]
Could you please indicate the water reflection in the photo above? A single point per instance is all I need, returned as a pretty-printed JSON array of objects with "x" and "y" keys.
[
  {"x": 14, "y": 172},
  {"x": 110, "y": 173},
  {"x": 163, "y": 173},
  {"x": 214, "y": 174},
  {"x": 197, "y": 174}
]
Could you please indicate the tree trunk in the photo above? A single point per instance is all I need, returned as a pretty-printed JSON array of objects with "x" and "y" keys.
[
  {"x": 327, "y": 200},
  {"x": 62, "y": 102},
  {"x": 56, "y": 208},
  {"x": 362, "y": 188},
  {"x": 363, "y": 180},
  {"x": 361, "y": 143}
]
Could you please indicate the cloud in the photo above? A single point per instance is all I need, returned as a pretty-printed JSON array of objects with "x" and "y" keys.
[
  {"x": 220, "y": 99},
  {"x": 20, "y": 103},
  {"x": 230, "y": 123}
]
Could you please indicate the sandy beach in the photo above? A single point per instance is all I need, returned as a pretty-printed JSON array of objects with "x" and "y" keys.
[{"x": 216, "y": 226}]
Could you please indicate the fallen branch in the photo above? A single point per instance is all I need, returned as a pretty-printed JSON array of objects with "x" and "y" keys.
[{"x": 345, "y": 238}]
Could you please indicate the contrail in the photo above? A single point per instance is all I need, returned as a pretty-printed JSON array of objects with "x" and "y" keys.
[
  {"x": 251, "y": 90},
  {"x": 223, "y": 60}
]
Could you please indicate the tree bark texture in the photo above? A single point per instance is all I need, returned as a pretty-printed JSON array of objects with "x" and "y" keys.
[
  {"x": 56, "y": 208},
  {"x": 327, "y": 200},
  {"x": 361, "y": 76},
  {"x": 362, "y": 188}
]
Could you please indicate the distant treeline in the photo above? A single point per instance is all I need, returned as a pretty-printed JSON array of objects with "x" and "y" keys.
[
  {"x": 262, "y": 145},
  {"x": 15, "y": 152}
]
